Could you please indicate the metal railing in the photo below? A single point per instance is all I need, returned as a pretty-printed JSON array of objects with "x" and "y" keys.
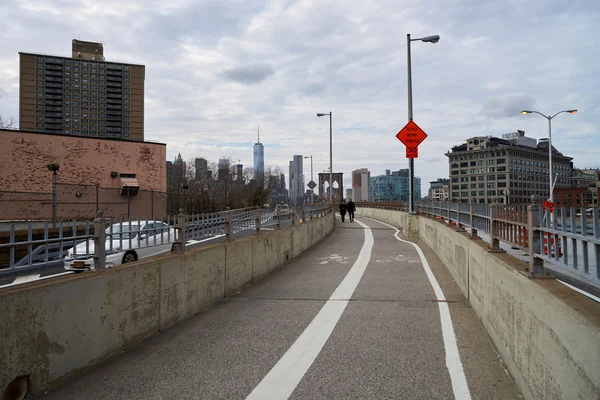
[
  {"x": 568, "y": 238},
  {"x": 92, "y": 243}
]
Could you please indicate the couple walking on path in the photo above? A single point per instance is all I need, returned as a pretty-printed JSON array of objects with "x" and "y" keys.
[{"x": 350, "y": 207}]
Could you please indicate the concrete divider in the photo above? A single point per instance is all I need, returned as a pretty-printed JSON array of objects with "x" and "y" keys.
[
  {"x": 54, "y": 328},
  {"x": 548, "y": 334}
]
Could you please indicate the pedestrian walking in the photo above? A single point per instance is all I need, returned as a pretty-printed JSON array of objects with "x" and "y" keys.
[
  {"x": 343, "y": 209},
  {"x": 351, "y": 207}
]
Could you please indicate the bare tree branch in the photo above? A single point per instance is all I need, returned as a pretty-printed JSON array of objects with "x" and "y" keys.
[{"x": 8, "y": 124}]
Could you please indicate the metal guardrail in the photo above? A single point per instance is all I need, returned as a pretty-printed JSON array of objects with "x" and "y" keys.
[
  {"x": 102, "y": 238},
  {"x": 559, "y": 238}
]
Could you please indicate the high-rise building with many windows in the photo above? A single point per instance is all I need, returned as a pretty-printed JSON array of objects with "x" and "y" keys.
[
  {"x": 393, "y": 186},
  {"x": 360, "y": 185},
  {"x": 81, "y": 96},
  {"x": 505, "y": 170}
]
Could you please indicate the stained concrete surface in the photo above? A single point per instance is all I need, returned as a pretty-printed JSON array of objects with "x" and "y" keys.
[{"x": 387, "y": 344}]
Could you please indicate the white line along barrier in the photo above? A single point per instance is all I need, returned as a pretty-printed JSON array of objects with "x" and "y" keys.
[{"x": 453, "y": 363}]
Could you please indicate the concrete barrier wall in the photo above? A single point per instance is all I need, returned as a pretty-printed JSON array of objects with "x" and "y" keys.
[
  {"x": 548, "y": 335},
  {"x": 52, "y": 329}
]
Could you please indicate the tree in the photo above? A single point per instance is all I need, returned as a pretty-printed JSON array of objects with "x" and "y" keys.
[{"x": 8, "y": 124}]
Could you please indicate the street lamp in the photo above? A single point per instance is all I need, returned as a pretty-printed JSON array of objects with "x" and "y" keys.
[
  {"x": 330, "y": 155},
  {"x": 312, "y": 190},
  {"x": 549, "y": 118},
  {"x": 411, "y": 161},
  {"x": 54, "y": 168}
]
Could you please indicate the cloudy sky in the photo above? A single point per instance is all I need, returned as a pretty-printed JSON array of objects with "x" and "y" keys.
[{"x": 217, "y": 69}]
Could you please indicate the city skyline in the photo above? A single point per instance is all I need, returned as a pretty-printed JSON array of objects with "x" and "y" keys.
[{"x": 208, "y": 84}]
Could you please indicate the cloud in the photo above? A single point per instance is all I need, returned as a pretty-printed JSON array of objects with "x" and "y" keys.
[
  {"x": 507, "y": 105},
  {"x": 249, "y": 74},
  {"x": 217, "y": 69}
]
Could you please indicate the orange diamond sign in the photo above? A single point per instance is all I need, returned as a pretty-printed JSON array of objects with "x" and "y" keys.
[{"x": 411, "y": 135}]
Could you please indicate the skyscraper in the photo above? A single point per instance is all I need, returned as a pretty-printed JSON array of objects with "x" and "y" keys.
[
  {"x": 81, "y": 96},
  {"x": 360, "y": 184},
  {"x": 297, "y": 180},
  {"x": 201, "y": 169},
  {"x": 259, "y": 159}
]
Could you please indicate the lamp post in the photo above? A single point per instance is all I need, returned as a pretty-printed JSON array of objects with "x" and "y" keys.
[
  {"x": 312, "y": 190},
  {"x": 549, "y": 118},
  {"x": 54, "y": 168},
  {"x": 330, "y": 155},
  {"x": 411, "y": 161}
]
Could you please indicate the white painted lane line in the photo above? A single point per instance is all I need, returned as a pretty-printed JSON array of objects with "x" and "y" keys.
[
  {"x": 26, "y": 278},
  {"x": 15, "y": 283},
  {"x": 453, "y": 362},
  {"x": 283, "y": 378},
  {"x": 583, "y": 292}
]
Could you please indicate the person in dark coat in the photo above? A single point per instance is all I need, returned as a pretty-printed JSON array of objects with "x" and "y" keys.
[
  {"x": 351, "y": 207},
  {"x": 343, "y": 209}
]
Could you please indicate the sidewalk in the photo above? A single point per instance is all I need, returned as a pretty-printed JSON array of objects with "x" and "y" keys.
[{"x": 356, "y": 317}]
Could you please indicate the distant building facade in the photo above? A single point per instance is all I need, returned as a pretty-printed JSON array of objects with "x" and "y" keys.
[
  {"x": 296, "y": 177},
  {"x": 360, "y": 184},
  {"x": 201, "y": 165},
  {"x": 120, "y": 178},
  {"x": 504, "y": 170},
  {"x": 393, "y": 186},
  {"x": 81, "y": 96},
  {"x": 439, "y": 190},
  {"x": 584, "y": 190}
]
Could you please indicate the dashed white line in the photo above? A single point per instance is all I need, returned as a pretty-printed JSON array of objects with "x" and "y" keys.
[
  {"x": 283, "y": 378},
  {"x": 453, "y": 362}
]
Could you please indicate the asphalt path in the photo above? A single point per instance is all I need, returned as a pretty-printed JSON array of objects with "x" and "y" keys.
[{"x": 359, "y": 316}]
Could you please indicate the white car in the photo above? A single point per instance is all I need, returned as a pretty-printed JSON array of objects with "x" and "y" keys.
[
  {"x": 125, "y": 243},
  {"x": 281, "y": 210}
]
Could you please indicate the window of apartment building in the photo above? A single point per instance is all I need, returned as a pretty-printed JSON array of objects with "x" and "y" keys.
[
  {"x": 491, "y": 193},
  {"x": 472, "y": 171},
  {"x": 481, "y": 177},
  {"x": 466, "y": 186},
  {"x": 490, "y": 162},
  {"x": 482, "y": 186},
  {"x": 501, "y": 161},
  {"x": 473, "y": 163},
  {"x": 464, "y": 194},
  {"x": 464, "y": 164},
  {"x": 491, "y": 177},
  {"x": 491, "y": 169},
  {"x": 464, "y": 179},
  {"x": 454, "y": 180},
  {"x": 491, "y": 184},
  {"x": 482, "y": 192},
  {"x": 473, "y": 193}
]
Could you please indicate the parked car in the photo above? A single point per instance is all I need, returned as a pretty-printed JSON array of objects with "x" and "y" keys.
[
  {"x": 125, "y": 243},
  {"x": 38, "y": 255},
  {"x": 281, "y": 210}
]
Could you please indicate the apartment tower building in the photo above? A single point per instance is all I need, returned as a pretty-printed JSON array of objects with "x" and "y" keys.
[
  {"x": 360, "y": 184},
  {"x": 505, "y": 170},
  {"x": 81, "y": 96}
]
